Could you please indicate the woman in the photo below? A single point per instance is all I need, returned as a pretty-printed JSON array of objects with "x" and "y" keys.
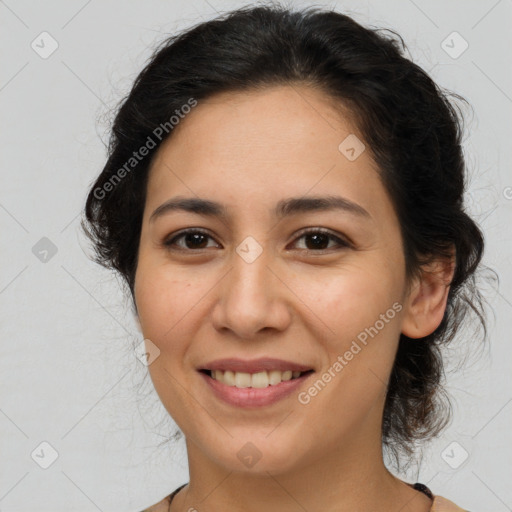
[{"x": 283, "y": 197}]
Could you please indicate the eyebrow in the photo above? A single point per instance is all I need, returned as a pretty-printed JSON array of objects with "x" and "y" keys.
[{"x": 284, "y": 208}]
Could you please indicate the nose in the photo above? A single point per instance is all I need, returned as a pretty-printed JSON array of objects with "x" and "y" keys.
[{"x": 252, "y": 298}]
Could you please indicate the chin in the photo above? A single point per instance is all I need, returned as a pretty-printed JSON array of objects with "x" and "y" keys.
[{"x": 256, "y": 455}]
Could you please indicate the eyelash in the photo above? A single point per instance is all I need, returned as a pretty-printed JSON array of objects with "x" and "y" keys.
[{"x": 341, "y": 243}]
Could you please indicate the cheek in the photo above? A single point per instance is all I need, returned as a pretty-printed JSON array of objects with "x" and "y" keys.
[
  {"x": 166, "y": 316},
  {"x": 358, "y": 313},
  {"x": 170, "y": 302},
  {"x": 161, "y": 301},
  {"x": 362, "y": 316},
  {"x": 348, "y": 300}
]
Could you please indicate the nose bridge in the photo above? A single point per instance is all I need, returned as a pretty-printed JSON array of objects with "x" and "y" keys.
[
  {"x": 250, "y": 297},
  {"x": 250, "y": 275}
]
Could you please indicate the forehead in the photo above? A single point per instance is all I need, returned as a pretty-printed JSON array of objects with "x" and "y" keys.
[
  {"x": 263, "y": 124},
  {"x": 263, "y": 144}
]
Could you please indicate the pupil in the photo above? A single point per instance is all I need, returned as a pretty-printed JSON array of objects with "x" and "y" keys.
[
  {"x": 316, "y": 243},
  {"x": 193, "y": 238}
]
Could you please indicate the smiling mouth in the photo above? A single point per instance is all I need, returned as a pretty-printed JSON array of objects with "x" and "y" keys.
[{"x": 261, "y": 379}]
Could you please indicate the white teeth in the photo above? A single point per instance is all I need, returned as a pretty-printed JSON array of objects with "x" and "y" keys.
[
  {"x": 258, "y": 380},
  {"x": 274, "y": 377},
  {"x": 242, "y": 380},
  {"x": 287, "y": 375},
  {"x": 254, "y": 380},
  {"x": 229, "y": 377}
]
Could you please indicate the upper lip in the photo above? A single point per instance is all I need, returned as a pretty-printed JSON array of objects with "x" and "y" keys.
[{"x": 254, "y": 365}]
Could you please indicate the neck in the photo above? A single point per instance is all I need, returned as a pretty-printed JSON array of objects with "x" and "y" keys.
[{"x": 351, "y": 477}]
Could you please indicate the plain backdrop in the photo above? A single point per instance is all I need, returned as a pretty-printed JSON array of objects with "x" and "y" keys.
[{"x": 73, "y": 395}]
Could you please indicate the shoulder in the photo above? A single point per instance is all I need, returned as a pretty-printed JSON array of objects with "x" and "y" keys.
[{"x": 441, "y": 504}]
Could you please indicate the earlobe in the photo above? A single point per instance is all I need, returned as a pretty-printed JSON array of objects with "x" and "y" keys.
[{"x": 426, "y": 303}]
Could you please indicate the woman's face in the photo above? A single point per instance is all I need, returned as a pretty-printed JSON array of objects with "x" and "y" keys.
[{"x": 252, "y": 285}]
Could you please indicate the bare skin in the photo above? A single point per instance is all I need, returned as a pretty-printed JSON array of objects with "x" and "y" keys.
[{"x": 295, "y": 301}]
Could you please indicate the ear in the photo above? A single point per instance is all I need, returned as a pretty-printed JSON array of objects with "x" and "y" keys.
[{"x": 426, "y": 302}]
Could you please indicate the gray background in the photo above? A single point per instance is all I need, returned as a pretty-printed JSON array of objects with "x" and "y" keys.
[{"x": 68, "y": 374}]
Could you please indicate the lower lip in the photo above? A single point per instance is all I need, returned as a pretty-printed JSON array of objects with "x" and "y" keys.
[{"x": 254, "y": 397}]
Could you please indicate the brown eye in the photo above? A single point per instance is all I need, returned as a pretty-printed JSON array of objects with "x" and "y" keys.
[
  {"x": 318, "y": 240},
  {"x": 192, "y": 239}
]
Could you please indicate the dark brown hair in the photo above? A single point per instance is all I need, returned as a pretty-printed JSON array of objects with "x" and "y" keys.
[{"x": 407, "y": 122}]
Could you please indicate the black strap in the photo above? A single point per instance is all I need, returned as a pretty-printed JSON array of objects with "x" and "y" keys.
[
  {"x": 417, "y": 486},
  {"x": 171, "y": 496},
  {"x": 424, "y": 489}
]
